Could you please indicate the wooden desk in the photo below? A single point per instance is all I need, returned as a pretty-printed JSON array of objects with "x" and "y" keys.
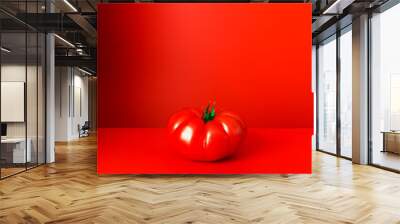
[{"x": 391, "y": 141}]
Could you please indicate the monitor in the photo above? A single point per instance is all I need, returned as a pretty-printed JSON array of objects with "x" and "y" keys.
[{"x": 3, "y": 129}]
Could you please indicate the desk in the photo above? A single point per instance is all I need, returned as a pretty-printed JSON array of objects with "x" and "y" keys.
[
  {"x": 13, "y": 150},
  {"x": 391, "y": 141}
]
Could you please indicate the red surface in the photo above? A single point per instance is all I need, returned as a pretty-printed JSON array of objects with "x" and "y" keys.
[
  {"x": 253, "y": 59},
  {"x": 145, "y": 151},
  {"x": 154, "y": 59}
]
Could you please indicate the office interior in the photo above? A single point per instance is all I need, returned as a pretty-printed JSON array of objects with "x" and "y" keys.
[
  {"x": 32, "y": 51},
  {"x": 33, "y": 63},
  {"x": 334, "y": 73}
]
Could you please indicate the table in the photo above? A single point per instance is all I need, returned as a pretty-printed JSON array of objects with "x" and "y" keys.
[
  {"x": 13, "y": 150},
  {"x": 391, "y": 141}
]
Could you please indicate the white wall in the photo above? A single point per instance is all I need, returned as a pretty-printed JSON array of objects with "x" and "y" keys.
[
  {"x": 92, "y": 84},
  {"x": 12, "y": 73},
  {"x": 81, "y": 84},
  {"x": 34, "y": 126},
  {"x": 71, "y": 102},
  {"x": 62, "y": 82}
]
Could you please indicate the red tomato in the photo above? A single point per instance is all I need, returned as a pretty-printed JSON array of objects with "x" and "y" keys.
[{"x": 206, "y": 136}]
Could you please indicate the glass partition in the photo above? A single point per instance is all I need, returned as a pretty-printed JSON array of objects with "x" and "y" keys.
[
  {"x": 22, "y": 78},
  {"x": 327, "y": 95},
  {"x": 14, "y": 153},
  {"x": 41, "y": 97},
  {"x": 31, "y": 100}
]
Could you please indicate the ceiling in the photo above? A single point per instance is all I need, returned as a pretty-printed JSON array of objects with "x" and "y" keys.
[{"x": 74, "y": 21}]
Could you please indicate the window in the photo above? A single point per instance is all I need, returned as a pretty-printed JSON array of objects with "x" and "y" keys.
[
  {"x": 346, "y": 93},
  {"x": 385, "y": 89},
  {"x": 327, "y": 95}
]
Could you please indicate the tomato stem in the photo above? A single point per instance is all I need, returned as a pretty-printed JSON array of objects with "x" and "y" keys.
[{"x": 209, "y": 113}]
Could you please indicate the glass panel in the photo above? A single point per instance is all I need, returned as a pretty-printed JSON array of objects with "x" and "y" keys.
[
  {"x": 346, "y": 94},
  {"x": 13, "y": 89},
  {"x": 41, "y": 98},
  {"x": 385, "y": 93},
  {"x": 32, "y": 88},
  {"x": 22, "y": 89},
  {"x": 314, "y": 76},
  {"x": 327, "y": 96},
  {"x": 31, "y": 100}
]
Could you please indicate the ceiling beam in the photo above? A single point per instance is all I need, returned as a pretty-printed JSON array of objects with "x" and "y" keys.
[{"x": 82, "y": 61}]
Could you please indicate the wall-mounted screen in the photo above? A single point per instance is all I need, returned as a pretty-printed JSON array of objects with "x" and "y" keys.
[{"x": 12, "y": 101}]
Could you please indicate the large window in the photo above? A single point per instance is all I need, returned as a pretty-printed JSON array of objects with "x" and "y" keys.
[
  {"x": 334, "y": 75},
  {"x": 346, "y": 93},
  {"x": 327, "y": 95},
  {"x": 385, "y": 88}
]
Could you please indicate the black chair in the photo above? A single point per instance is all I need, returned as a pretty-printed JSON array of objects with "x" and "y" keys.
[{"x": 84, "y": 130}]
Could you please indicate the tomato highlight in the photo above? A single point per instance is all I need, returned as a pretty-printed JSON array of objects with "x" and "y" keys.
[{"x": 207, "y": 135}]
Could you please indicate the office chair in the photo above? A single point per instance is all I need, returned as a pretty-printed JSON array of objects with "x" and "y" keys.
[{"x": 84, "y": 130}]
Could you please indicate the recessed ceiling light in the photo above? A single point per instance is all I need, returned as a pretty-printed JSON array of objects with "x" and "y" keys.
[
  {"x": 337, "y": 7},
  {"x": 84, "y": 71},
  {"x": 64, "y": 40},
  {"x": 70, "y": 5},
  {"x": 5, "y": 50}
]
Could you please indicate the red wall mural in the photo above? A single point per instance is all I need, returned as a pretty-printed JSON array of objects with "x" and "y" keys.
[{"x": 155, "y": 59}]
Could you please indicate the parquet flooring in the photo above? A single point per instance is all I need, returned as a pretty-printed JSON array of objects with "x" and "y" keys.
[
  {"x": 10, "y": 171},
  {"x": 70, "y": 191}
]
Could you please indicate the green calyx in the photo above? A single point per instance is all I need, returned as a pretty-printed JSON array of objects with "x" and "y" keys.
[{"x": 209, "y": 113}]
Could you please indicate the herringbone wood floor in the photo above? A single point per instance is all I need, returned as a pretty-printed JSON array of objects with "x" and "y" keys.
[{"x": 70, "y": 191}]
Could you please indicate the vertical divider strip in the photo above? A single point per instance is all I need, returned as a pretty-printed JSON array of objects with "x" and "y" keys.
[
  {"x": 37, "y": 90},
  {"x": 26, "y": 86},
  {"x": 338, "y": 91},
  {"x": 317, "y": 97},
  {"x": 369, "y": 96},
  {"x": 0, "y": 96}
]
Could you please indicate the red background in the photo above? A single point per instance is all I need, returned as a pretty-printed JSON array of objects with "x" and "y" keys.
[{"x": 154, "y": 59}]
